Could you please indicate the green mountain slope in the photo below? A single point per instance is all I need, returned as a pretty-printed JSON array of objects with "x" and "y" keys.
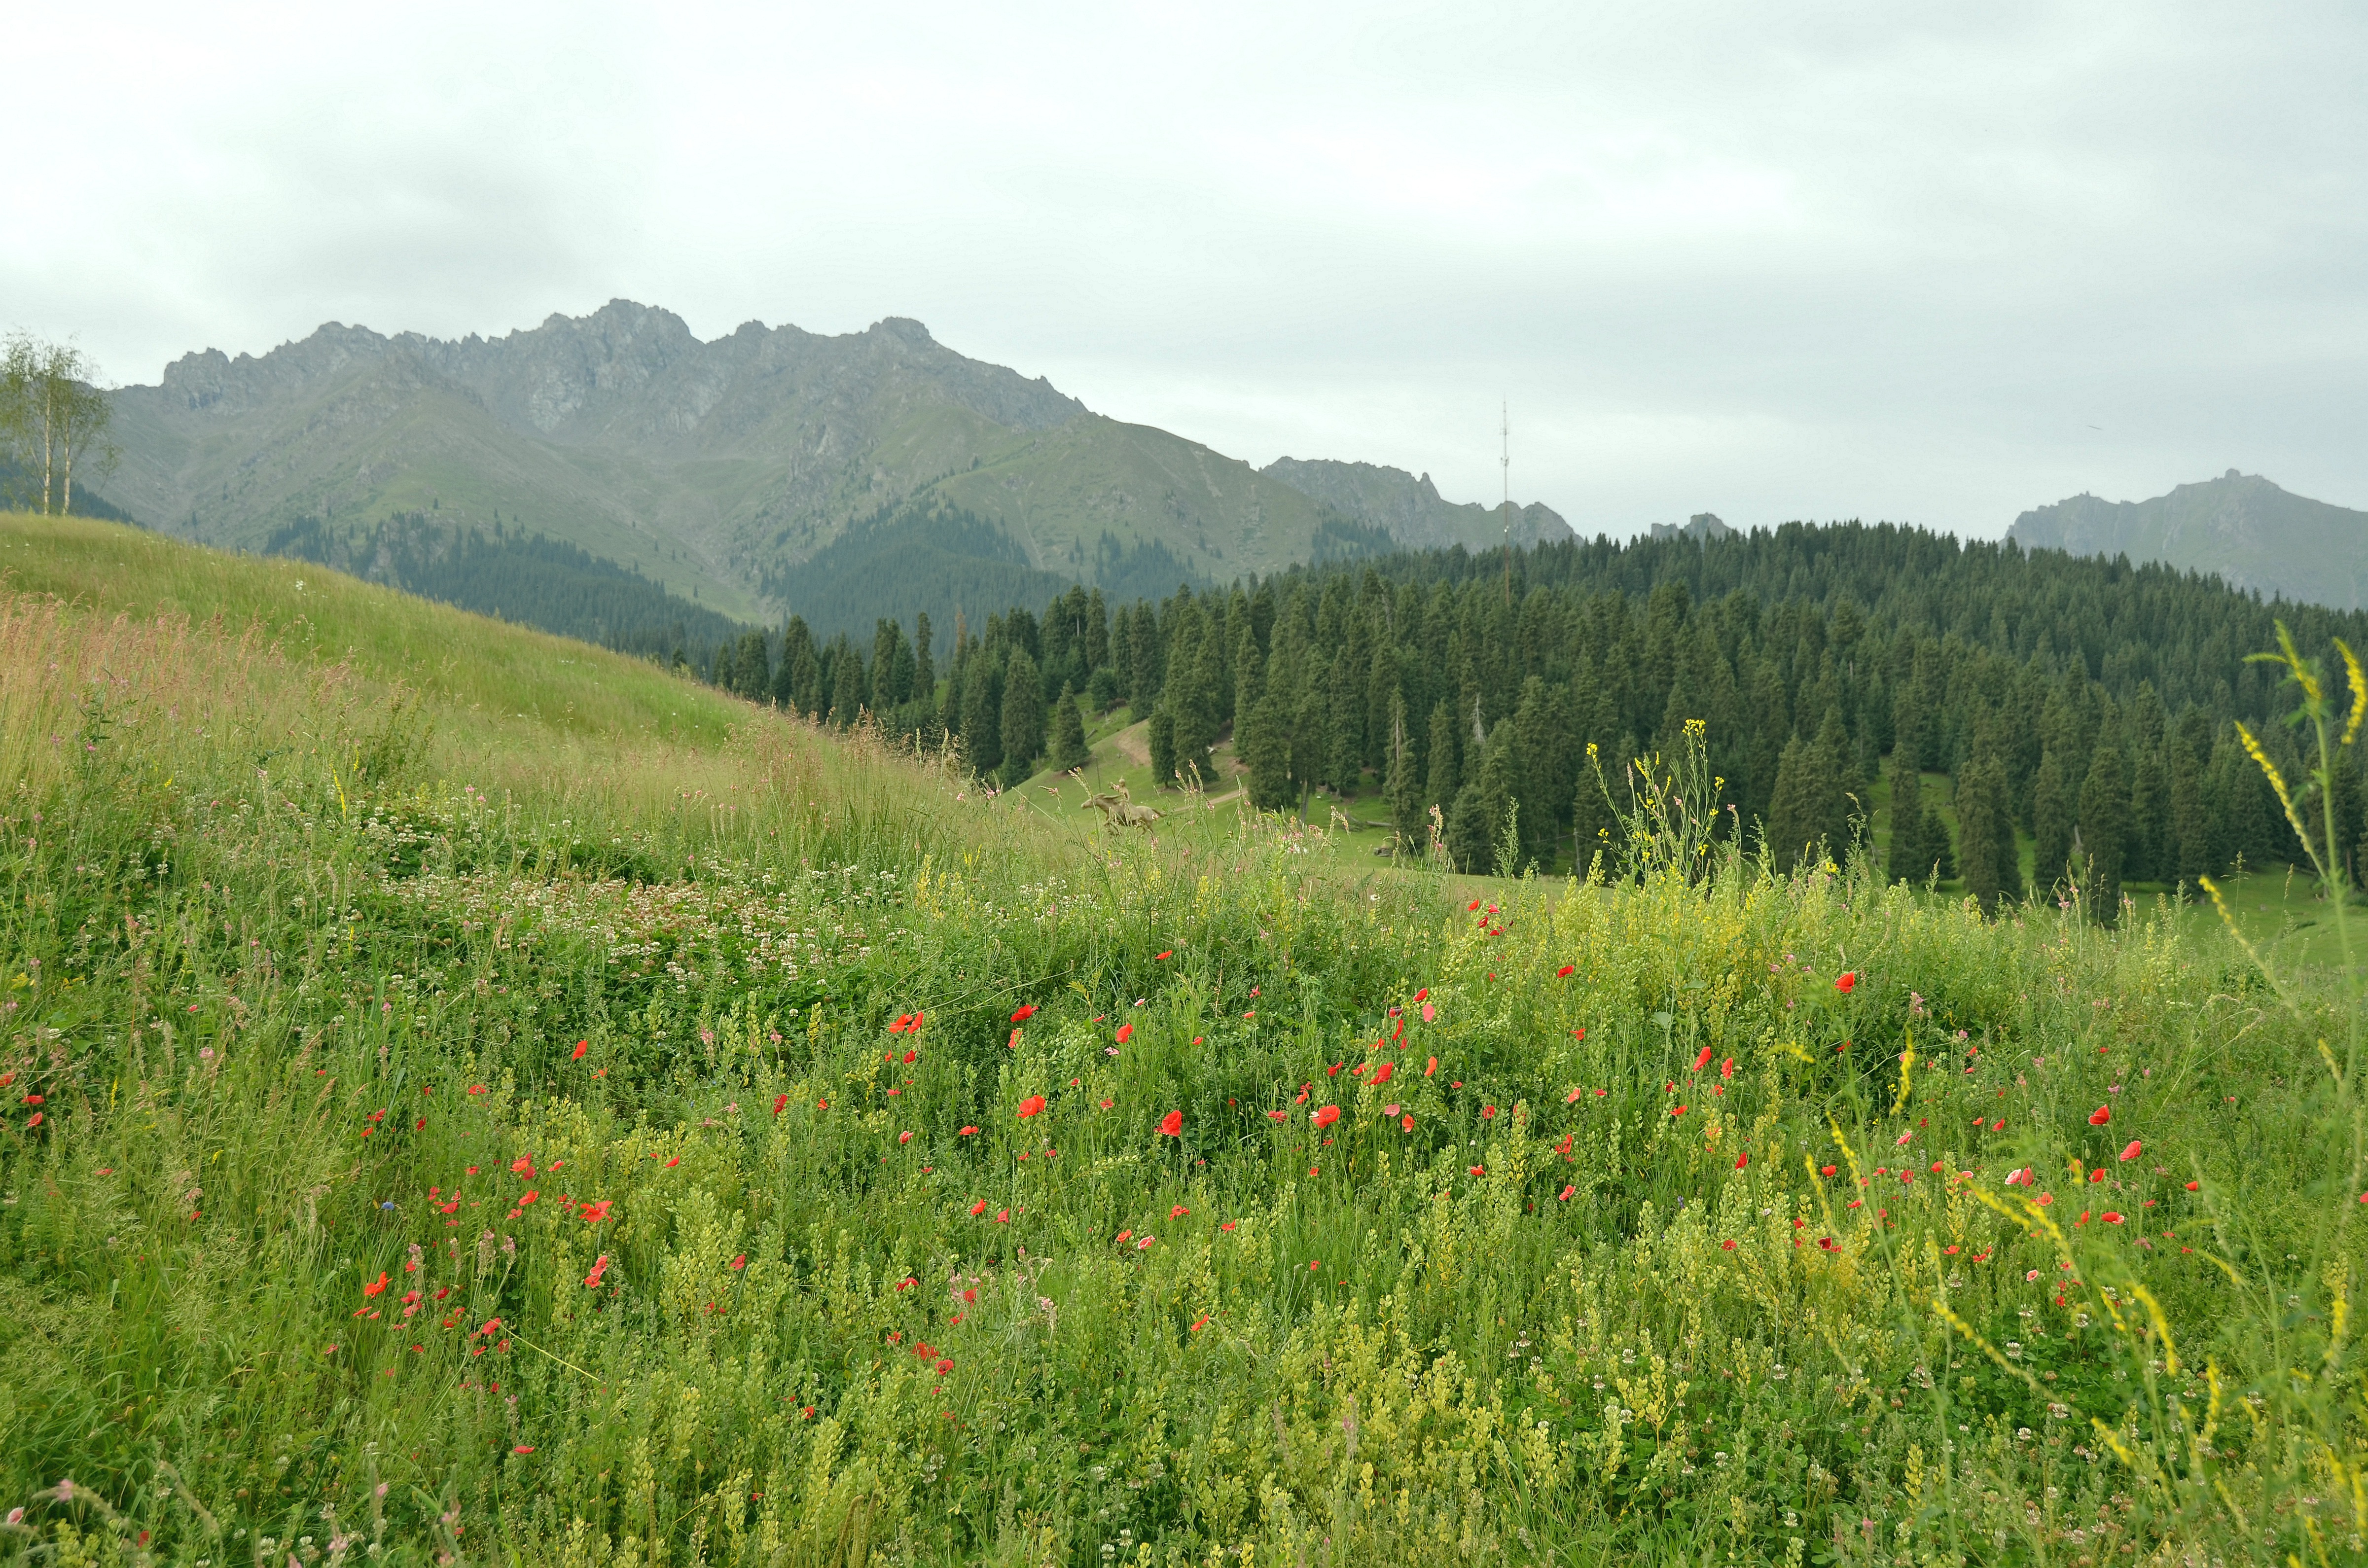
[
  {"x": 715, "y": 469},
  {"x": 2239, "y": 526}
]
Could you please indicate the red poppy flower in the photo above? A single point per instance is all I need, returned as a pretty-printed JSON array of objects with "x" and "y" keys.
[
  {"x": 1030, "y": 1106},
  {"x": 1678, "y": 1111},
  {"x": 592, "y": 1280},
  {"x": 1024, "y": 1013},
  {"x": 1168, "y": 954},
  {"x": 910, "y": 1056},
  {"x": 969, "y": 1131},
  {"x": 377, "y": 1288},
  {"x": 1564, "y": 970},
  {"x": 978, "y": 1208},
  {"x": 2097, "y": 1175},
  {"x": 780, "y": 1103},
  {"x": 1727, "y": 1068},
  {"x": 1179, "y": 1212},
  {"x": 2109, "y": 1217},
  {"x": 1727, "y": 1246},
  {"x": 477, "y": 1088},
  {"x": 595, "y": 1212},
  {"x": 1702, "y": 1061},
  {"x": 2133, "y": 1151},
  {"x": 1275, "y": 1116},
  {"x": 1477, "y": 1170},
  {"x": 1742, "y": 1160},
  {"x": 1172, "y": 1124},
  {"x": 523, "y": 1448},
  {"x": 1125, "y": 1033},
  {"x": 1325, "y": 1116},
  {"x": 1382, "y": 1073},
  {"x": 1003, "y": 1216},
  {"x": 581, "y": 1047},
  {"x": 1430, "y": 1067},
  {"x": 2102, "y": 1115},
  {"x": 524, "y": 1165},
  {"x": 1334, "y": 1070},
  {"x": 2193, "y": 1185},
  {"x": 1847, "y": 984},
  {"x": 741, "y": 1262},
  {"x": 1473, "y": 906}
]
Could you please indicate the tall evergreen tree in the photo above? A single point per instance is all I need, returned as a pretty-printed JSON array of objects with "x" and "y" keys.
[
  {"x": 848, "y": 686},
  {"x": 981, "y": 677},
  {"x": 1439, "y": 787},
  {"x": 1796, "y": 814},
  {"x": 1069, "y": 749},
  {"x": 2052, "y": 810},
  {"x": 2103, "y": 806},
  {"x": 1919, "y": 839},
  {"x": 1986, "y": 842},
  {"x": 1023, "y": 717},
  {"x": 1404, "y": 788},
  {"x": 925, "y": 669},
  {"x": 1163, "y": 746}
]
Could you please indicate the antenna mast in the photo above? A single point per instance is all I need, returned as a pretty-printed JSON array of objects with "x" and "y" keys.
[{"x": 1505, "y": 463}]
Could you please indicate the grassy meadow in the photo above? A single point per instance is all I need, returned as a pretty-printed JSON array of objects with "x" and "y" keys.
[{"x": 474, "y": 1098}]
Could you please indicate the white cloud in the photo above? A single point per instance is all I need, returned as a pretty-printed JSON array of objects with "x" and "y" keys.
[{"x": 1829, "y": 261}]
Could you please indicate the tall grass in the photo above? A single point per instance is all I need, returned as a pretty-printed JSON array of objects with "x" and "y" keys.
[{"x": 1696, "y": 1245}]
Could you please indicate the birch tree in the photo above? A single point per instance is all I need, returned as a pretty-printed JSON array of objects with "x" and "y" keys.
[{"x": 52, "y": 416}]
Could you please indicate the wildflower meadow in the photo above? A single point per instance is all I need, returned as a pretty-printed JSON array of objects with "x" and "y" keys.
[{"x": 442, "y": 1129}]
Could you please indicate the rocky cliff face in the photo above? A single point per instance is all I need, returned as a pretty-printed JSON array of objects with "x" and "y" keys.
[
  {"x": 2240, "y": 527},
  {"x": 715, "y": 466}
]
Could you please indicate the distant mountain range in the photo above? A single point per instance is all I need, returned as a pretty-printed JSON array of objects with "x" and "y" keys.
[
  {"x": 719, "y": 470},
  {"x": 2239, "y": 526}
]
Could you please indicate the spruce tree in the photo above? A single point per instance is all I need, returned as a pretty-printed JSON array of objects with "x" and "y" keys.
[
  {"x": 1439, "y": 786},
  {"x": 1840, "y": 780},
  {"x": 1405, "y": 790},
  {"x": 1069, "y": 749},
  {"x": 1262, "y": 746},
  {"x": 925, "y": 669},
  {"x": 1163, "y": 746},
  {"x": 2104, "y": 807},
  {"x": 982, "y": 711},
  {"x": 1796, "y": 813},
  {"x": 1023, "y": 717},
  {"x": 2051, "y": 819},
  {"x": 1986, "y": 844},
  {"x": 848, "y": 686}
]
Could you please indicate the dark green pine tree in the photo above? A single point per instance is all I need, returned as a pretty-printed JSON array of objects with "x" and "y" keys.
[
  {"x": 1440, "y": 784},
  {"x": 797, "y": 684},
  {"x": 2052, "y": 808},
  {"x": 1162, "y": 737},
  {"x": 981, "y": 677},
  {"x": 1478, "y": 819},
  {"x": 2104, "y": 807},
  {"x": 1797, "y": 812},
  {"x": 1838, "y": 765},
  {"x": 1069, "y": 749},
  {"x": 1919, "y": 839},
  {"x": 1985, "y": 846},
  {"x": 848, "y": 685},
  {"x": 1023, "y": 717},
  {"x": 925, "y": 669},
  {"x": 2186, "y": 753},
  {"x": 1262, "y": 746},
  {"x": 1404, "y": 786}
]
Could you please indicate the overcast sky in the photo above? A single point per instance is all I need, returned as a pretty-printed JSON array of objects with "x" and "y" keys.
[{"x": 1773, "y": 262}]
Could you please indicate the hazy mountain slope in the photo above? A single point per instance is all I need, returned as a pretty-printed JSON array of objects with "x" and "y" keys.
[
  {"x": 2239, "y": 526},
  {"x": 715, "y": 468},
  {"x": 1411, "y": 508}
]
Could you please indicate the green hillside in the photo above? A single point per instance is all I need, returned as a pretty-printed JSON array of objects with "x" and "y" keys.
[{"x": 475, "y": 1098}]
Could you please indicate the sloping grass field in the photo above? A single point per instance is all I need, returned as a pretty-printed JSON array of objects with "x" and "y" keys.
[{"x": 471, "y": 1097}]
